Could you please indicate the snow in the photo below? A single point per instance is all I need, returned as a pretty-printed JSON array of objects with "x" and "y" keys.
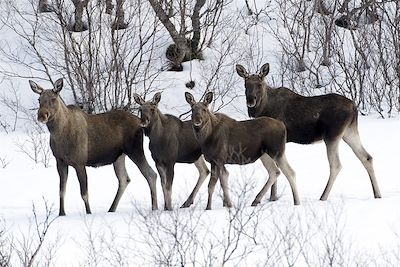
[
  {"x": 371, "y": 223},
  {"x": 366, "y": 227}
]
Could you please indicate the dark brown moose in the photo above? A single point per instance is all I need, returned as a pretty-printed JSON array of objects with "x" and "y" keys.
[
  {"x": 224, "y": 140},
  {"x": 329, "y": 117},
  {"x": 78, "y": 139},
  {"x": 171, "y": 141}
]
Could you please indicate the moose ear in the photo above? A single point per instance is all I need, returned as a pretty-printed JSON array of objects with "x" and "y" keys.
[
  {"x": 138, "y": 99},
  {"x": 264, "y": 70},
  {"x": 58, "y": 85},
  {"x": 241, "y": 71},
  {"x": 35, "y": 87},
  {"x": 156, "y": 98},
  {"x": 189, "y": 98},
  {"x": 208, "y": 98}
]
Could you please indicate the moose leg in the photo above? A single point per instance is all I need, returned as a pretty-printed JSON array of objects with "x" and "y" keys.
[
  {"x": 163, "y": 177},
  {"x": 272, "y": 169},
  {"x": 203, "y": 173},
  {"x": 283, "y": 164},
  {"x": 151, "y": 177},
  {"x": 170, "y": 179},
  {"x": 82, "y": 177},
  {"x": 166, "y": 185},
  {"x": 123, "y": 180},
  {"x": 211, "y": 185},
  {"x": 62, "y": 169},
  {"x": 223, "y": 179},
  {"x": 273, "y": 172},
  {"x": 332, "y": 148},
  {"x": 352, "y": 138}
]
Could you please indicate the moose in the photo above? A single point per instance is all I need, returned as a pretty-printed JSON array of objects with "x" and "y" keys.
[
  {"x": 79, "y": 139},
  {"x": 224, "y": 140},
  {"x": 171, "y": 141},
  {"x": 329, "y": 117}
]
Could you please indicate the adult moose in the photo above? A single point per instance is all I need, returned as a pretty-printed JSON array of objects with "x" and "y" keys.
[
  {"x": 329, "y": 117},
  {"x": 224, "y": 140},
  {"x": 171, "y": 141},
  {"x": 78, "y": 139}
]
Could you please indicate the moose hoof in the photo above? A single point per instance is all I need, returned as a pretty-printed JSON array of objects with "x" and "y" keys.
[
  {"x": 273, "y": 198},
  {"x": 61, "y": 214},
  {"x": 255, "y": 203},
  {"x": 228, "y": 205},
  {"x": 187, "y": 204}
]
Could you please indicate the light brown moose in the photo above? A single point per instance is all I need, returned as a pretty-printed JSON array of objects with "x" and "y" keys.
[
  {"x": 78, "y": 139},
  {"x": 224, "y": 140},
  {"x": 329, "y": 117}
]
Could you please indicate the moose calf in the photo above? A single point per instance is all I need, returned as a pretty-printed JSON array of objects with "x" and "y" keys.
[
  {"x": 224, "y": 140},
  {"x": 171, "y": 141}
]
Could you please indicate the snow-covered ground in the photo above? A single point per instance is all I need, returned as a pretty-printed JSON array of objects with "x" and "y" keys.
[
  {"x": 350, "y": 228},
  {"x": 371, "y": 224}
]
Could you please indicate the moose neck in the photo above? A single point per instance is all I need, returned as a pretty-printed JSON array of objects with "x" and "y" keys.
[
  {"x": 59, "y": 121},
  {"x": 155, "y": 129},
  {"x": 205, "y": 131}
]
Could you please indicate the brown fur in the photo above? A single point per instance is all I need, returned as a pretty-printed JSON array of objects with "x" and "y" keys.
[
  {"x": 329, "y": 117},
  {"x": 171, "y": 141},
  {"x": 224, "y": 140},
  {"x": 78, "y": 139}
]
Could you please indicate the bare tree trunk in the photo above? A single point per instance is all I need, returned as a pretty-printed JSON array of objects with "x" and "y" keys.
[
  {"x": 196, "y": 28},
  {"x": 79, "y": 7},
  {"x": 109, "y": 7},
  {"x": 178, "y": 39},
  {"x": 120, "y": 23},
  {"x": 249, "y": 11},
  {"x": 344, "y": 7},
  {"x": 327, "y": 41},
  {"x": 44, "y": 6},
  {"x": 321, "y": 8},
  {"x": 326, "y": 46},
  {"x": 182, "y": 49}
]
